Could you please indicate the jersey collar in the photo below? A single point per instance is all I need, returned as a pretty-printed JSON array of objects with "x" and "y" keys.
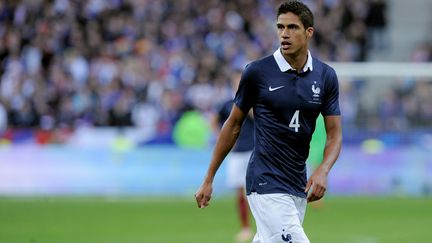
[{"x": 284, "y": 65}]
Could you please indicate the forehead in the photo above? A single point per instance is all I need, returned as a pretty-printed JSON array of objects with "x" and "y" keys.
[{"x": 289, "y": 18}]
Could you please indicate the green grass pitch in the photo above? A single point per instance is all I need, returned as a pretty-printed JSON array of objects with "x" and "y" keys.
[{"x": 135, "y": 220}]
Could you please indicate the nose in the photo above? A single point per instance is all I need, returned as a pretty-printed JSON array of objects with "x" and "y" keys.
[{"x": 285, "y": 33}]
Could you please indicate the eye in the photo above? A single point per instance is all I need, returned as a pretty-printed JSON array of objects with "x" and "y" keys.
[
  {"x": 293, "y": 27},
  {"x": 280, "y": 26}
]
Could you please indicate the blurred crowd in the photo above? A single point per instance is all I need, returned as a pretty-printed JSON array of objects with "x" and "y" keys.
[{"x": 142, "y": 63}]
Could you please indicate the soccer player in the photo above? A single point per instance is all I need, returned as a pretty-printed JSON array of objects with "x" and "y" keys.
[
  {"x": 287, "y": 91},
  {"x": 238, "y": 160}
]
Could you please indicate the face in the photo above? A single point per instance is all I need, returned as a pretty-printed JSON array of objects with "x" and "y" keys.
[{"x": 293, "y": 37}]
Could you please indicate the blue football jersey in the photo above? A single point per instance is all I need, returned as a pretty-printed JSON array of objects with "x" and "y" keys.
[{"x": 286, "y": 105}]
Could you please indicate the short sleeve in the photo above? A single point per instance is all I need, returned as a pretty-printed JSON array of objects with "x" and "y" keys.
[
  {"x": 246, "y": 94},
  {"x": 331, "y": 99}
]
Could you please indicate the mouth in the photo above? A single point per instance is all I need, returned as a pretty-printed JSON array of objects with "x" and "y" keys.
[{"x": 285, "y": 44}]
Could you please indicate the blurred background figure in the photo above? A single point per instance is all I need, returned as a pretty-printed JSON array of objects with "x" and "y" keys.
[
  {"x": 140, "y": 63},
  {"x": 376, "y": 22},
  {"x": 238, "y": 159},
  {"x": 3, "y": 118},
  {"x": 316, "y": 152}
]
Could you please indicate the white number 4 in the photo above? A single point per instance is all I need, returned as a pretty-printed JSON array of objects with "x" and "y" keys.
[{"x": 294, "y": 123}]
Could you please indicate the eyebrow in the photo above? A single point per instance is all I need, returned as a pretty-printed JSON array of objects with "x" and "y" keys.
[{"x": 289, "y": 26}]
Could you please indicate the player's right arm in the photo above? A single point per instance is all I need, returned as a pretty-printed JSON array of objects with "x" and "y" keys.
[{"x": 226, "y": 140}]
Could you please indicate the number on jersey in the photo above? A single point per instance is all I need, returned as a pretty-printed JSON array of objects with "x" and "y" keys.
[{"x": 294, "y": 123}]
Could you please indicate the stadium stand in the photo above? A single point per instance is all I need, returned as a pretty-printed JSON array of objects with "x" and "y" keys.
[{"x": 67, "y": 64}]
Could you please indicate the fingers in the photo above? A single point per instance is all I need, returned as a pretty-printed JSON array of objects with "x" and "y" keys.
[
  {"x": 308, "y": 186},
  {"x": 202, "y": 200},
  {"x": 317, "y": 193},
  {"x": 198, "y": 200},
  {"x": 203, "y": 195}
]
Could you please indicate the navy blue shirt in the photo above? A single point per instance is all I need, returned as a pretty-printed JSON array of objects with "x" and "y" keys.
[
  {"x": 286, "y": 105},
  {"x": 245, "y": 140}
]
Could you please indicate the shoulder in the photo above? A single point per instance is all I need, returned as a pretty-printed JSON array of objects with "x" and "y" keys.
[
  {"x": 323, "y": 68},
  {"x": 261, "y": 63}
]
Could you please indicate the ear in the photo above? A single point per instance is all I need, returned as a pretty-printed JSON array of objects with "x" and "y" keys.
[{"x": 309, "y": 32}]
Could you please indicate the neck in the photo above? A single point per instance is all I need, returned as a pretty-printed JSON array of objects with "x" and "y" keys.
[{"x": 297, "y": 61}]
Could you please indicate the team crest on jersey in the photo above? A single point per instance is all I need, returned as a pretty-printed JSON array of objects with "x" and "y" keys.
[
  {"x": 316, "y": 90},
  {"x": 316, "y": 97}
]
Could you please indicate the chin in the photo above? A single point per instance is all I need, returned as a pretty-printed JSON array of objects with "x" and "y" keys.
[{"x": 287, "y": 52}]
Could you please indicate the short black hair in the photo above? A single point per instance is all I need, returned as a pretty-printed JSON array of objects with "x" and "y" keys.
[{"x": 298, "y": 8}]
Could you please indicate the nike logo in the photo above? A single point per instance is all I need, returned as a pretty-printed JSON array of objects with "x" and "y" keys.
[{"x": 275, "y": 88}]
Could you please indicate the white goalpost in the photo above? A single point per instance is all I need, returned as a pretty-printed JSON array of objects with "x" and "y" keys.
[{"x": 382, "y": 69}]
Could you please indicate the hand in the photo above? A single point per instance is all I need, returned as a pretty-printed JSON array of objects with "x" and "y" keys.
[
  {"x": 203, "y": 195},
  {"x": 317, "y": 184}
]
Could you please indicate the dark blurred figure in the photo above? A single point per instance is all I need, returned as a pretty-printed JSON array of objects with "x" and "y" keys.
[
  {"x": 23, "y": 115},
  {"x": 376, "y": 21}
]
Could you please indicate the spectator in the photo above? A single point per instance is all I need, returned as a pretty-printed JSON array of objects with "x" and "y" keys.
[
  {"x": 91, "y": 62},
  {"x": 376, "y": 22},
  {"x": 3, "y": 118}
]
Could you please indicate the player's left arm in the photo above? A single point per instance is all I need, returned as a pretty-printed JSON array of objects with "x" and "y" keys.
[{"x": 317, "y": 183}]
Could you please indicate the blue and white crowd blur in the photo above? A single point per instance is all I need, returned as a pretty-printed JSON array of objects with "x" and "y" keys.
[{"x": 142, "y": 63}]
